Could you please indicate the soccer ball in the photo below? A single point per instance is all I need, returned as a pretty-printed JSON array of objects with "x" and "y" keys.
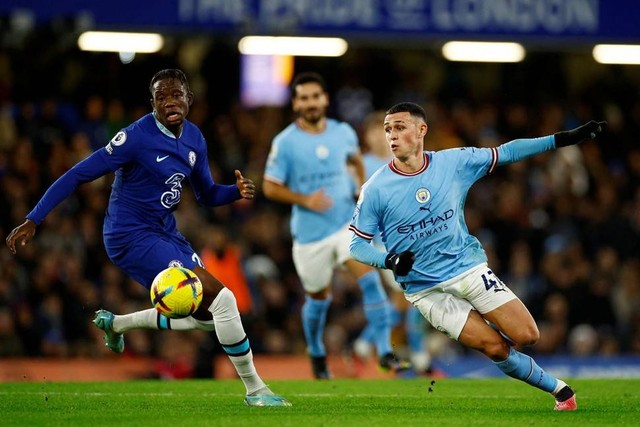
[{"x": 176, "y": 292}]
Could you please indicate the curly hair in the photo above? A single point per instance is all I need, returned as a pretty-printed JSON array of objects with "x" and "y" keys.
[{"x": 170, "y": 73}]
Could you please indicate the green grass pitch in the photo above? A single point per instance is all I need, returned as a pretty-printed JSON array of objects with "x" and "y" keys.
[{"x": 343, "y": 402}]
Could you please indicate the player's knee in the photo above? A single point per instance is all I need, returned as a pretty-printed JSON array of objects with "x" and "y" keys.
[
  {"x": 224, "y": 306},
  {"x": 529, "y": 335},
  {"x": 321, "y": 294},
  {"x": 496, "y": 350},
  {"x": 525, "y": 334}
]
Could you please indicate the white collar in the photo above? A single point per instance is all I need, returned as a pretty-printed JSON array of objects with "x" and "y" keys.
[{"x": 163, "y": 129}]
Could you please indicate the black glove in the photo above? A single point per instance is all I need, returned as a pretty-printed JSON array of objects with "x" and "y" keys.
[
  {"x": 587, "y": 131},
  {"x": 400, "y": 263}
]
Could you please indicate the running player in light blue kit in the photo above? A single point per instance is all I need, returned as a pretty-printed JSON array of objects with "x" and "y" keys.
[
  {"x": 414, "y": 325},
  {"x": 151, "y": 159},
  {"x": 307, "y": 168},
  {"x": 417, "y": 204}
]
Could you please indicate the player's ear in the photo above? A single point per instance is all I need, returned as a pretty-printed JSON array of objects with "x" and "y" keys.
[
  {"x": 190, "y": 98},
  {"x": 423, "y": 129}
]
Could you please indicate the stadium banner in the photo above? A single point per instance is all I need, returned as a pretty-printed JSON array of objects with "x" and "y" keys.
[
  {"x": 572, "y": 21},
  {"x": 559, "y": 366}
]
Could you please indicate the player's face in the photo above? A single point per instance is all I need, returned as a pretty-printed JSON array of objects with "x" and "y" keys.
[
  {"x": 310, "y": 102},
  {"x": 171, "y": 102},
  {"x": 405, "y": 134}
]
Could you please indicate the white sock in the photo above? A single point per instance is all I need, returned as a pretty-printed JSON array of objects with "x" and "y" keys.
[
  {"x": 151, "y": 319},
  {"x": 234, "y": 340},
  {"x": 561, "y": 384}
]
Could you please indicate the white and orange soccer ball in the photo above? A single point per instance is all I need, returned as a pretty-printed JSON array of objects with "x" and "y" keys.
[{"x": 176, "y": 292}]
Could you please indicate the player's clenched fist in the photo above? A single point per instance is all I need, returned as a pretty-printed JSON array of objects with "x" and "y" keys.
[
  {"x": 587, "y": 131},
  {"x": 400, "y": 263}
]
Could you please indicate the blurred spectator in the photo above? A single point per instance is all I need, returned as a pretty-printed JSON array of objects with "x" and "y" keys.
[
  {"x": 553, "y": 325},
  {"x": 353, "y": 100},
  {"x": 224, "y": 260},
  {"x": 10, "y": 343},
  {"x": 94, "y": 123},
  {"x": 583, "y": 340}
]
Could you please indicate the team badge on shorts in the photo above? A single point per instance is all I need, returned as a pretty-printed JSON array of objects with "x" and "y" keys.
[
  {"x": 423, "y": 195},
  {"x": 175, "y": 263},
  {"x": 192, "y": 158}
]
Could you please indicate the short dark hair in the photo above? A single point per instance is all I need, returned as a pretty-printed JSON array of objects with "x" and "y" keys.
[
  {"x": 414, "y": 109},
  {"x": 307, "y": 77},
  {"x": 170, "y": 73}
]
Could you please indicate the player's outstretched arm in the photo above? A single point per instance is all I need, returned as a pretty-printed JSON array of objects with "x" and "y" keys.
[
  {"x": 245, "y": 185},
  {"x": 22, "y": 233},
  {"x": 591, "y": 130},
  {"x": 519, "y": 149}
]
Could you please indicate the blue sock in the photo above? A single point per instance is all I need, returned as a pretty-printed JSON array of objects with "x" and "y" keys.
[
  {"x": 377, "y": 310},
  {"x": 368, "y": 334},
  {"x": 314, "y": 317},
  {"x": 416, "y": 329},
  {"x": 395, "y": 316},
  {"x": 524, "y": 368}
]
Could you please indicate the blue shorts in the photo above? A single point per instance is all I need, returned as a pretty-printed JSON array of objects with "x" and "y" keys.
[{"x": 143, "y": 255}]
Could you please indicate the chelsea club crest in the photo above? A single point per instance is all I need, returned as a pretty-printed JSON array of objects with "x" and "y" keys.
[{"x": 423, "y": 195}]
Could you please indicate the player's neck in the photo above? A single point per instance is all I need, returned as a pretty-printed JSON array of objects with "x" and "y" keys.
[
  {"x": 410, "y": 164},
  {"x": 312, "y": 127}
]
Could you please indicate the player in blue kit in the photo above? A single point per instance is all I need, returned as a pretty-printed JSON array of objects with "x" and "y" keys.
[
  {"x": 151, "y": 159},
  {"x": 415, "y": 331},
  {"x": 416, "y": 202},
  {"x": 308, "y": 168}
]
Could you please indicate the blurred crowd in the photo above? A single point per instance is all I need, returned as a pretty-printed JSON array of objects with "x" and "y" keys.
[{"x": 561, "y": 229}]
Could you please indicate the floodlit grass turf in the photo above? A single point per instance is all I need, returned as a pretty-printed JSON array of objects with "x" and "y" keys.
[{"x": 345, "y": 403}]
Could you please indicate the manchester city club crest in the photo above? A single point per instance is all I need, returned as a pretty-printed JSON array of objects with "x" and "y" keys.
[
  {"x": 322, "y": 152},
  {"x": 423, "y": 195},
  {"x": 192, "y": 158}
]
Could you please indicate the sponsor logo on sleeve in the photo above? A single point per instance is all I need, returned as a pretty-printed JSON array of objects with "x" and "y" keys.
[{"x": 116, "y": 141}]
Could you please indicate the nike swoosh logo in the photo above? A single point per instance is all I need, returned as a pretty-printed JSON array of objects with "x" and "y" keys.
[{"x": 159, "y": 159}]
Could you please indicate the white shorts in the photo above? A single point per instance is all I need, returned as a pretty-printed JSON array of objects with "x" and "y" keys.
[
  {"x": 446, "y": 306},
  {"x": 316, "y": 261}
]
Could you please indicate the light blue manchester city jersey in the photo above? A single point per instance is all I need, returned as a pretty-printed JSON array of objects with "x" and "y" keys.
[
  {"x": 423, "y": 213},
  {"x": 307, "y": 162}
]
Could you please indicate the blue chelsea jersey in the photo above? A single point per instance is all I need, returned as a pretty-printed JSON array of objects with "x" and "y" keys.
[
  {"x": 151, "y": 166},
  {"x": 305, "y": 163}
]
